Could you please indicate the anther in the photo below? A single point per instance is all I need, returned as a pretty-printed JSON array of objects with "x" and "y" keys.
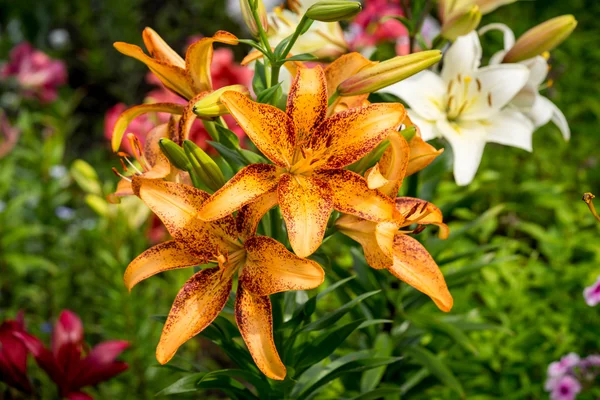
[
  {"x": 478, "y": 84},
  {"x": 489, "y": 99}
]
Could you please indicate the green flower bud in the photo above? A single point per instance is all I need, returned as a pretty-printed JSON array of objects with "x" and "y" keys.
[
  {"x": 175, "y": 154},
  {"x": 210, "y": 106},
  {"x": 204, "y": 166},
  {"x": 246, "y": 8},
  {"x": 461, "y": 22},
  {"x": 333, "y": 10}
]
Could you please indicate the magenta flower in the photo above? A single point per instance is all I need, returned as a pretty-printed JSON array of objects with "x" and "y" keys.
[
  {"x": 9, "y": 135},
  {"x": 592, "y": 293},
  {"x": 369, "y": 28},
  {"x": 13, "y": 355},
  {"x": 64, "y": 362},
  {"x": 566, "y": 388},
  {"x": 564, "y": 366},
  {"x": 37, "y": 74}
]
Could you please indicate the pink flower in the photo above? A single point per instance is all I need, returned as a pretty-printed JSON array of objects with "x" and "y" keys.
[
  {"x": 64, "y": 363},
  {"x": 592, "y": 293},
  {"x": 38, "y": 75},
  {"x": 564, "y": 366},
  {"x": 9, "y": 133},
  {"x": 13, "y": 355},
  {"x": 566, "y": 388},
  {"x": 369, "y": 28},
  {"x": 225, "y": 71}
]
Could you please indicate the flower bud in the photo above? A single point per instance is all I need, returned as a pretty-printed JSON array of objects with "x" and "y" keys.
[
  {"x": 543, "y": 37},
  {"x": 205, "y": 167},
  {"x": 333, "y": 10},
  {"x": 487, "y": 6},
  {"x": 461, "y": 22},
  {"x": 175, "y": 154},
  {"x": 210, "y": 106},
  {"x": 386, "y": 73},
  {"x": 246, "y": 8}
]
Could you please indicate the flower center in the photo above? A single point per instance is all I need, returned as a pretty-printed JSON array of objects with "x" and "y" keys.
[{"x": 462, "y": 93}]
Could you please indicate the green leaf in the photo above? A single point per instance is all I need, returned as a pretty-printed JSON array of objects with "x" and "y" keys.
[
  {"x": 383, "y": 347},
  {"x": 259, "y": 82},
  {"x": 377, "y": 394},
  {"x": 302, "y": 57},
  {"x": 184, "y": 385},
  {"x": 435, "y": 366},
  {"x": 431, "y": 323},
  {"x": 271, "y": 95}
]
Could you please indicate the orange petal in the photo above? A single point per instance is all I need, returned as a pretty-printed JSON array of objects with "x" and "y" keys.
[
  {"x": 307, "y": 101},
  {"x": 124, "y": 188},
  {"x": 351, "y": 134},
  {"x": 199, "y": 57},
  {"x": 178, "y": 207},
  {"x": 270, "y": 268},
  {"x": 246, "y": 186},
  {"x": 363, "y": 232},
  {"x": 160, "y": 50},
  {"x": 351, "y": 195},
  {"x": 414, "y": 265},
  {"x": 173, "y": 77},
  {"x": 197, "y": 304},
  {"x": 128, "y": 115},
  {"x": 188, "y": 117},
  {"x": 340, "y": 70},
  {"x": 250, "y": 215},
  {"x": 160, "y": 165},
  {"x": 306, "y": 203},
  {"x": 269, "y": 128},
  {"x": 252, "y": 56},
  {"x": 417, "y": 211},
  {"x": 393, "y": 164},
  {"x": 421, "y": 155},
  {"x": 254, "y": 318},
  {"x": 162, "y": 257}
]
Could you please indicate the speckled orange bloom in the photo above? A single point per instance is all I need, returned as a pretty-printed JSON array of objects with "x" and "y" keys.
[
  {"x": 309, "y": 151},
  {"x": 264, "y": 267}
]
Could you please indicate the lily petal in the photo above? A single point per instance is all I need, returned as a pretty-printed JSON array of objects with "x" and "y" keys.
[
  {"x": 188, "y": 117},
  {"x": 393, "y": 164},
  {"x": 340, "y": 70},
  {"x": 463, "y": 57},
  {"x": 128, "y": 115},
  {"x": 421, "y": 155},
  {"x": 162, "y": 257},
  {"x": 197, "y": 304},
  {"x": 178, "y": 206},
  {"x": 160, "y": 165},
  {"x": 269, "y": 128},
  {"x": 306, "y": 203},
  {"x": 426, "y": 128},
  {"x": 271, "y": 268},
  {"x": 254, "y": 318},
  {"x": 351, "y": 134},
  {"x": 160, "y": 50},
  {"x": 363, "y": 232},
  {"x": 250, "y": 215},
  {"x": 100, "y": 364},
  {"x": 511, "y": 128},
  {"x": 246, "y": 186},
  {"x": 424, "y": 93},
  {"x": 544, "y": 110},
  {"x": 421, "y": 212},
  {"x": 199, "y": 57},
  {"x": 43, "y": 357},
  {"x": 307, "y": 101},
  {"x": 351, "y": 195},
  {"x": 173, "y": 77},
  {"x": 414, "y": 265}
]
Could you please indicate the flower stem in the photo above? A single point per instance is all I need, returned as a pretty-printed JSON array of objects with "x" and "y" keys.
[
  {"x": 262, "y": 34},
  {"x": 587, "y": 198}
]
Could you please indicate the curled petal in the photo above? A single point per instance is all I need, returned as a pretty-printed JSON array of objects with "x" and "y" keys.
[
  {"x": 306, "y": 203},
  {"x": 199, "y": 57},
  {"x": 255, "y": 320},
  {"x": 351, "y": 195},
  {"x": 414, "y": 265},
  {"x": 188, "y": 117},
  {"x": 307, "y": 101},
  {"x": 160, "y": 50},
  {"x": 393, "y": 164},
  {"x": 173, "y": 77},
  {"x": 375, "y": 178},
  {"x": 269, "y": 128},
  {"x": 421, "y": 155},
  {"x": 250, "y": 215},
  {"x": 160, "y": 165},
  {"x": 128, "y": 115},
  {"x": 270, "y": 268},
  {"x": 363, "y": 232},
  {"x": 349, "y": 135},
  {"x": 162, "y": 257},
  {"x": 246, "y": 186},
  {"x": 417, "y": 211},
  {"x": 197, "y": 304}
]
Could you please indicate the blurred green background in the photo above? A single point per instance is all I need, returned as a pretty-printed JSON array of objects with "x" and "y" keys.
[{"x": 521, "y": 227}]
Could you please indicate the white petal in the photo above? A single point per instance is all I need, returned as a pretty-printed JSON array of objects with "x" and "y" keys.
[
  {"x": 509, "y": 36},
  {"x": 499, "y": 84},
  {"x": 497, "y": 57},
  {"x": 525, "y": 99},
  {"x": 511, "y": 128},
  {"x": 538, "y": 70},
  {"x": 467, "y": 141},
  {"x": 424, "y": 93},
  {"x": 427, "y": 128},
  {"x": 557, "y": 116},
  {"x": 463, "y": 57},
  {"x": 540, "y": 112}
]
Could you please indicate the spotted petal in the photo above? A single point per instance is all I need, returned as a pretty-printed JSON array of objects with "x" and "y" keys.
[
  {"x": 249, "y": 216},
  {"x": 160, "y": 50},
  {"x": 307, "y": 101},
  {"x": 391, "y": 169},
  {"x": 417, "y": 211},
  {"x": 363, "y": 232}
]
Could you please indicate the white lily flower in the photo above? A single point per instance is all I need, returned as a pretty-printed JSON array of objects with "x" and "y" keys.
[
  {"x": 539, "y": 109},
  {"x": 466, "y": 105}
]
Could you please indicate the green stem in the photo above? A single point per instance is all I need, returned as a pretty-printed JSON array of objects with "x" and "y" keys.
[
  {"x": 275, "y": 75},
  {"x": 294, "y": 38},
  {"x": 333, "y": 98},
  {"x": 261, "y": 33}
]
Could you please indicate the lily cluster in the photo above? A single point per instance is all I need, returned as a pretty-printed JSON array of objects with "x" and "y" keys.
[{"x": 64, "y": 362}]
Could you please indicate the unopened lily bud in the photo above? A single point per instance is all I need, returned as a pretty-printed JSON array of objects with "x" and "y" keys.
[
  {"x": 386, "y": 73},
  {"x": 175, "y": 154},
  {"x": 333, "y": 10},
  {"x": 204, "y": 166},
  {"x": 210, "y": 106},
  {"x": 246, "y": 8},
  {"x": 487, "y": 6},
  {"x": 461, "y": 22},
  {"x": 539, "y": 39}
]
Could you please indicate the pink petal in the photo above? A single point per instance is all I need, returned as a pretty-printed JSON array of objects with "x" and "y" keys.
[
  {"x": 99, "y": 365},
  {"x": 43, "y": 357}
]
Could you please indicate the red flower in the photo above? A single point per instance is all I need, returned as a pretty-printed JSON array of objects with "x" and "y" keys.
[
  {"x": 13, "y": 355},
  {"x": 64, "y": 363}
]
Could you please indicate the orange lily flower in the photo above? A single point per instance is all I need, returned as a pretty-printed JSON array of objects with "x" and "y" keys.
[
  {"x": 309, "y": 152},
  {"x": 386, "y": 246},
  {"x": 189, "y": 78},
  {"x": 263, "y": 265}
]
